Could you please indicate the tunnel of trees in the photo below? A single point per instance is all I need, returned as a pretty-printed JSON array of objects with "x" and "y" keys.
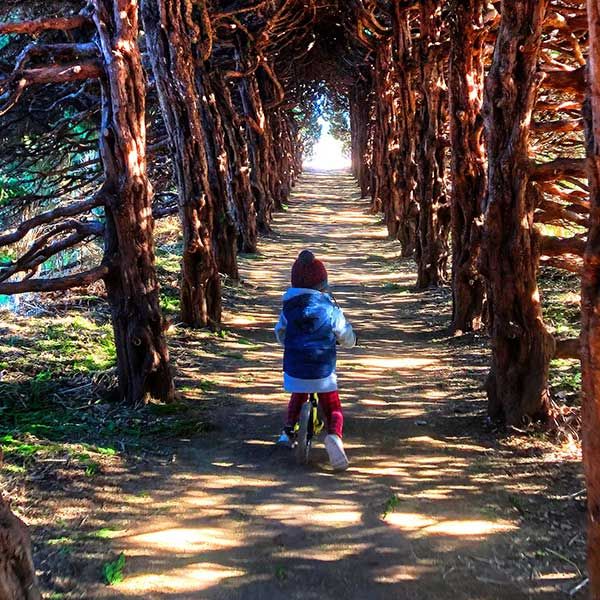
[{"x": 473, "y": 129}]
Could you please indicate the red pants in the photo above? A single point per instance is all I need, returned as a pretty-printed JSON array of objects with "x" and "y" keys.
[{"x": 329, "y": 403}]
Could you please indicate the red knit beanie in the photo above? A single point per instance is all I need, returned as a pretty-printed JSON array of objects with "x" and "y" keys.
[{"x": 308, "y": 272}]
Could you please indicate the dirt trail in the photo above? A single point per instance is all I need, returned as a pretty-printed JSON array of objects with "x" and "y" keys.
[{"x": 231, "y": 516}]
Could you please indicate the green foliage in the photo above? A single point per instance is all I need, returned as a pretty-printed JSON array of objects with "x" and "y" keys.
[
  {"x": 392, "y": 503},
  {"x": 169, "y": 301},
  {"x": 113, "y": 571}
]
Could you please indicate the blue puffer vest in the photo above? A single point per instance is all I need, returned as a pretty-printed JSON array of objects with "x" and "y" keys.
[{"x": 310, "y": 351}]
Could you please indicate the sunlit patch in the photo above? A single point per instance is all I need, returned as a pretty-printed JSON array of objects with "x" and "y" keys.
[
  {"x": 333, "y": 552},
  {"x": 400, "y": 573},
  {"x": 373, "y": 402},
  {"x": 446, "y": 444},
  {"x": 193, "y": 578},
  {"x": 337, "y": 517},
  {"x": 398, "y": 363},
  {"x": 180, "y": 539},
  {"x": 321, "y": 513},
  {"x": 471, "y": 528},
  {"x": 426, "y": 525}
]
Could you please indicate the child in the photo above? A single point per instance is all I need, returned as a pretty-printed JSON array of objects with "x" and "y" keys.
[{"x": 309, "y": 328}]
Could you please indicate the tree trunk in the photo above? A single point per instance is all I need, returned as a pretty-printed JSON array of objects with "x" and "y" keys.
[
  {"x": 133, "y": 292},
  {"x": 359, "y": 119},
  {"x": 383, "y": 138},
  {"x": 434, "y": 211},
  {"x": 225, "y": 227},
  {"x": 465, "y": 84},
  {"x": 238, "y": 175},
  {"x": 174, "y": 66},
  {"x": 407, "y": 168},
  {"x": 17, "y": 572},
  {"x": 590, "y": 305},
  {"x": 521, "y": 346},
  {"x": 256, "y": 128}
]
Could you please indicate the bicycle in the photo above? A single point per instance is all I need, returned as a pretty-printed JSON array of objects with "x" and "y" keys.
[{"x": 310, "y": 424}]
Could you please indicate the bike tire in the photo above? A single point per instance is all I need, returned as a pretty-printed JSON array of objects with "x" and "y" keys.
[{"x": 303, "y": 441}]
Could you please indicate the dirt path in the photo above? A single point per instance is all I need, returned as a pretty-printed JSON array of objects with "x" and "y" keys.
[{"x": 231, "y": 517}]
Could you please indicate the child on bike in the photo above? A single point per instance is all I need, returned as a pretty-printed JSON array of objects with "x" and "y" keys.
[{"x": 310, "y": 326}]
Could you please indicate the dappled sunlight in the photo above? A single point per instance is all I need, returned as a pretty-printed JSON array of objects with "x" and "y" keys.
[
  {"x": 427, "y": 488},
  {"x": 424, "y": 525},
  {"x": 178, "y": 539},
  {"x": 191, "y": 579},
  {"x": 405, "y": 362},
  {"x": 401, "y": 573}
]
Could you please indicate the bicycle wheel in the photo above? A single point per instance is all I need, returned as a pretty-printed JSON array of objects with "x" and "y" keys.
[{"x": 304, "y": 435}]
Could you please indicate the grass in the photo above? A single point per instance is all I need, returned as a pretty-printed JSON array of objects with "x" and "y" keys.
[
  {"x": 562, "y": 315},
  {"x": 392, "y": 503},
  {"x": 397, "y": 287},
  {"x": 113, "y": 571}
]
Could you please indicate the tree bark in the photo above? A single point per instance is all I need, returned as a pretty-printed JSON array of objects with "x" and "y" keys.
[
  {"x": 434, "y": 214},
  {"x": 142, "y": 355},
  {"x": 406, "y": 168},
  {"x": 468, "y": 168},
  {"x": 171, "y": 41},
  {"x": 359, "y": 119},
  {"x": 17, "y": 572},
  {"x": 517, "y": 385},
  {"x": 225, "y": 227},
  {"x": 590, "y": 310}
]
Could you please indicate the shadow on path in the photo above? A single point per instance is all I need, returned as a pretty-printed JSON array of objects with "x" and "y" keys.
[{"x": 427, "y": 509}]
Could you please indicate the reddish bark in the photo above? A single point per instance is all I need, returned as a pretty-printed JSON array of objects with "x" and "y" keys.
[
  {"x": 257, "y": 134},
  {"x": 224, "y": 226},
  {"x": 17, "y": 572},
  {"x": 434, "y": 210},
  {"x": 384, "y": 195},
  {"x": 45, "y": 24},
  {"x": 174, "y": 65},
  {"x": 521, "y": 346},
  {"x": 359, "y": 119},
  {"x": 142, "y": 355},
  {"x": 406, "y": 136},
  {"x": 465, "y": 85},
  {"x": 590, "y": 305}
]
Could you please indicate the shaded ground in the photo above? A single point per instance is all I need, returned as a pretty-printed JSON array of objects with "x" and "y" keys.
[{"x": 434, "y": 505}]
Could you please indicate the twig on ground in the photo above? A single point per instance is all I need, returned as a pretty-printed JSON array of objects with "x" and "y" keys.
[
  {"x": 562, "y": 557},
  {"x": 579, "y": 586}
]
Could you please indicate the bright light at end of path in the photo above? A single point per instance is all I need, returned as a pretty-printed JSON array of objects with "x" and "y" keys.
[{"x": 328, "y": 154}]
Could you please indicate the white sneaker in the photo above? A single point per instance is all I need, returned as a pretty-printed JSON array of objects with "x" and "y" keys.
[{"x": 335, "y": 450}]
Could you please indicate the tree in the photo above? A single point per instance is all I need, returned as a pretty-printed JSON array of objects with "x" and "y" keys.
[
  {"x": 521, "y": 346},
  {"x": 175, "y": 66},
  {"x": 467, "y": 167},
  {"x": 434, "y": 209},
  {"x": 590, "y": 292},
  {"x": 126, "y": 195},
  {"x": 17, "y": 572}
]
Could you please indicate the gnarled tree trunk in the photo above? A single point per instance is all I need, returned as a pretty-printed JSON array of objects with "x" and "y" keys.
[
  {"x": 225, "y": 228},
  {"x": 468, "y": 168},
  {"x": 17, "y": 572},
  {"x": 359, "y": 127},
  {"x": 521, "y": 346},
  {"x": 590, "y": 304},
  {"x": 406, "y": 136},
  {"x": 172, "y": 45},
  {"x": 434, "y": 211},
  {"x": 133, "y": 293}
]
